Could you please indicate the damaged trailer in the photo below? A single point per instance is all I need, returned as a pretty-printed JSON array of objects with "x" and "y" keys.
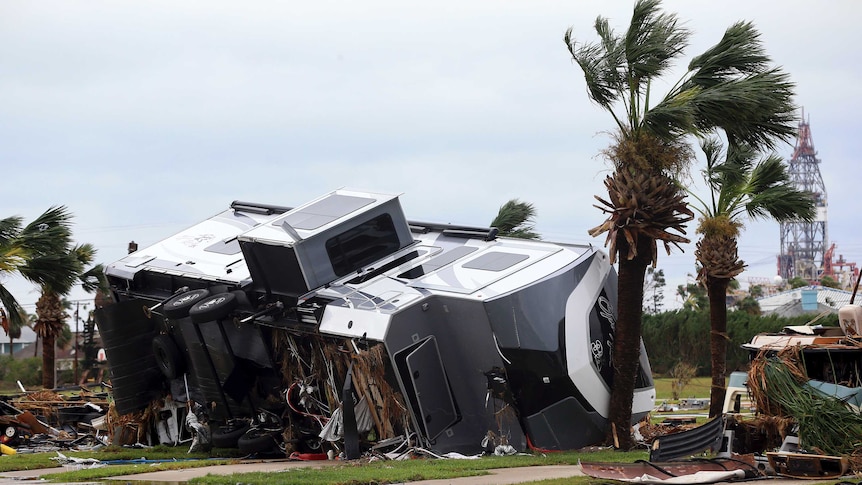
[{"x": 443, "y": 336}]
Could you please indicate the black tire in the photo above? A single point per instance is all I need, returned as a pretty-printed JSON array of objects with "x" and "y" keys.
[
  {"x": 179, "y": 305},
  {"x": 168, "y": 356},
  {"x": 228, "y": 435},
  {"x": 214, "y": 307},
  {"x": 258, "y": 441}
]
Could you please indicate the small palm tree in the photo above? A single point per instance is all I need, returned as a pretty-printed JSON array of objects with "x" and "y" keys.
[
  {"x": 740, "y": 187},
  {"x": 515, "y": 219},
  {"x": 730, "y": 86},
  {"x": 69, "y": 270}
]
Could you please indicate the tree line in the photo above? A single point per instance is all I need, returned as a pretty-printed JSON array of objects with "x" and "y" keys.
[{"x": 679, "y": 336}]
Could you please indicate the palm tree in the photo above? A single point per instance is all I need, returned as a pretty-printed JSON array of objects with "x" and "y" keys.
[
  {"x": 739, "y": 187},
  {"x": 515, "y": 219},
  {"x": 45, "y": 235},
  {"x": 730, "y": 86},
  {"x": 69, "y": 269}
]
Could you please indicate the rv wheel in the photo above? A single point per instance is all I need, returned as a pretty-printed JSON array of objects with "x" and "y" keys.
[
  {"x": 167, "y": 356},
  {"x": 179, "y": 305},
  {"x": 212, "y": 308},
  {"x": 258, "y": 441},
  {"x": 228, "y": 435}
]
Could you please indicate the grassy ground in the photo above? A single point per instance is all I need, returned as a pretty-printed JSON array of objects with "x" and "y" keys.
[
  {"x": 698, "y": 387},
  {"x": 349, "y": 473}
]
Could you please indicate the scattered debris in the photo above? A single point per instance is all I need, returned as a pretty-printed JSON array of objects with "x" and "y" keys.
[
  {"x": 694, "y": 471},
  {"x": 805, "y": 389},
  {"x": 80, "y": 463},
  {"x": 806, "y": 465}
]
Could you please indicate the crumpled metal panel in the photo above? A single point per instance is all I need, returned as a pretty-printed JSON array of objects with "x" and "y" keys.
[{"x": 690, "y": 442}]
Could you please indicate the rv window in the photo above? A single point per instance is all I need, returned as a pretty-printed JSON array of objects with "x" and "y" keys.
[
  {"x": 437, "y": 262},
  {"x": 324, "y": 211},
  {"x": 495, "y": 261},
  {"x": 362, "y": 244}
]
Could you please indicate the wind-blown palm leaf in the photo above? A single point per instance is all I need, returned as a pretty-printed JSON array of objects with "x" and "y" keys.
[
  {"x": 757, "y": 110},
  {"x": 652, "y": 41},
  {"x": 514, "y": 219},
  {"x": 739, "y": 51},
  {"x": 47, "y": 233},
  {"x": 9, "y": 229}
]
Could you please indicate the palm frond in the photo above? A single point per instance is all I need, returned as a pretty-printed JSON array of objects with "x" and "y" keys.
[
  {"x": 756, "y": 110},
  {"x": 56, "y": 272},
  {"x": 12, "y": 306},
  {"x": 514, "y": 219},
  {"x": 652, "y": 41},
  {"x": 83, "y": 254},
  {"x": 602, "y": 74},
  {"x": 93, "y": 279},
  {"x": 671, "y": 118},
  {"x": 782, "y": 203},
  {"x": 9, "y": 229},
  {"x": 48, "y": 233},
  {"x": 739, "y": 52}
]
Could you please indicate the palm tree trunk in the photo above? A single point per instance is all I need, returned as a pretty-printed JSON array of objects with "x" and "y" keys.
[
  {"x": 627, "y": 338},
  {"x": 48, "y": 361},
  {"x": 717, "y": 290}
]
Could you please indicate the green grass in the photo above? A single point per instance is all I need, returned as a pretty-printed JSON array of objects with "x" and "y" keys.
[
  {"x": 698, "y": 387},
  {"x": 88, "y": 474},
  {"x": 412, "y": 470},
  {"x": 33, "y": 461},
  {"x": 348, "y": 473}
]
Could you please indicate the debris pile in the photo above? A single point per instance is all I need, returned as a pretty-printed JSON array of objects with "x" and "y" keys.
[
  {"x": 47, "y": 421},
  {"x": 825, "y": 424}
]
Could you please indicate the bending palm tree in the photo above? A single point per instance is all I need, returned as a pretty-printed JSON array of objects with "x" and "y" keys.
[
  {"x": 47, "y": 234},
  {"x": 515, "y": 219},
  {"x": 69, "y": 269},
  {"x": 739, "y": 188},
  {"x": 729, "y": 86}
]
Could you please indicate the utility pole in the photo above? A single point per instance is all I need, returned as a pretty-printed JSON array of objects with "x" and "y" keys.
[{"x": 75, "y": 340}]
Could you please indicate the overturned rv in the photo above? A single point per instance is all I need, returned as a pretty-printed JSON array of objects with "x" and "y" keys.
[{"x": 445, "y": 335}]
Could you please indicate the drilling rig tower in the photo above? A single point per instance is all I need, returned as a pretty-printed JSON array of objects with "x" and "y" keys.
[{"x": 803, "y": 244}]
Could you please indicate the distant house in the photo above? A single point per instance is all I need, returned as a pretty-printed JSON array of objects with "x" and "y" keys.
[
  {"x": 28, "y": 337},
  {"x": 804, "y": 300}
]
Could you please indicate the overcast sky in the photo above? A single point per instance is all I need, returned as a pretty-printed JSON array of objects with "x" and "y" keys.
[{"x": 144, "y": 118}]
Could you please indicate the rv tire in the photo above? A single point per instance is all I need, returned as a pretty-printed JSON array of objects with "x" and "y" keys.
[
  {"x": 179, "y": 305},
  {"x": 214, "y": 307},
  {"x": 258, "y": 441},
  {"x": 167, "y": 356},
  {"x": 228, "y": 435}
]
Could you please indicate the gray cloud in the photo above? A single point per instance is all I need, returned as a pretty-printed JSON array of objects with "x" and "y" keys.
[{"x": 146, "y": 117}]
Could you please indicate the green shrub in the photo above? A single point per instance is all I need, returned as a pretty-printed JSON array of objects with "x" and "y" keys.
[{"x": 27, "y": 370}]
